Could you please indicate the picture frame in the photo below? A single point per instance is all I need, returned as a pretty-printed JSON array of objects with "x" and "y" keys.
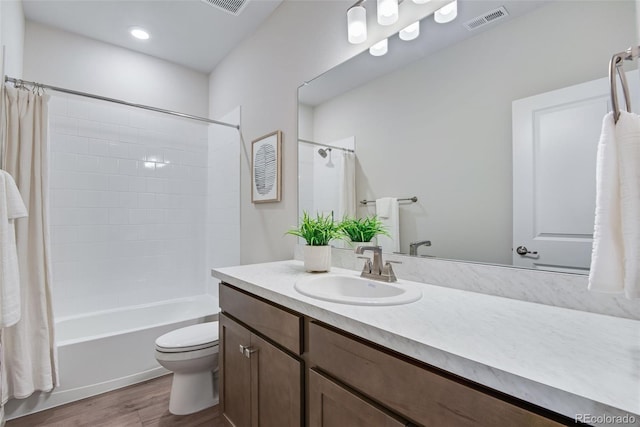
[{"x": 266, "y": 168}]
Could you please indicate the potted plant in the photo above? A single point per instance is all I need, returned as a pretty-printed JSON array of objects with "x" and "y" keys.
[
  {"x": 317, "y": 232},
  {"x": 362, "y": 230}
]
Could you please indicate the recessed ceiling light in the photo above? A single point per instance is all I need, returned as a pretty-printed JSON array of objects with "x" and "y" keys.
[{"x": 139, "y": 33}]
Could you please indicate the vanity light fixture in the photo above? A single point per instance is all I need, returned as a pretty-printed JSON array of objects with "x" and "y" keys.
[
  {"x": 410, "y": 32},
  {"x": 379, "y": 48},
  {"x": 387, "y": 12},
  {"x": 446, "y": 13},
  {"x": 139, "y": 33},
  {"x": 357, "y": 23},
  {"x": 421, "y": 1}
]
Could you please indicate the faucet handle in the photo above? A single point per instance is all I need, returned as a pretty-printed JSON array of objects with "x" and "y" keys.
[
  {"x": 387, "y": 271},
  {"x": 366, "y": 268}
]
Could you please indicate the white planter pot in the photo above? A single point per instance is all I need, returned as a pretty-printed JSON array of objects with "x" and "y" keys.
[{"x": 317, "y": 258}]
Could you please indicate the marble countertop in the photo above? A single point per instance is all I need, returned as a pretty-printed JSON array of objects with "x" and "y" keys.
[{"x": 568, "y": 361}]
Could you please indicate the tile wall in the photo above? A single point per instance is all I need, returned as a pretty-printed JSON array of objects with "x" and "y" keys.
[{"x": 128, "y": 206}]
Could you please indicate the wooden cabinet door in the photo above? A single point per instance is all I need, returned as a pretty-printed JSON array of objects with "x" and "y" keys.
[
  {"x": 331, "y": 405},
  {"x": 276, "y": 386},
  {"x": 235, "y": 374}
]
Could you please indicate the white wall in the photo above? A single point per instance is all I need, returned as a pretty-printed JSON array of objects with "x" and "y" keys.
[
  {"x": 299, "y": 41},
  {"x": 67, "y": 60},
  {"x": 443, "y": 130},
  {"x": 12, "y": 36}
]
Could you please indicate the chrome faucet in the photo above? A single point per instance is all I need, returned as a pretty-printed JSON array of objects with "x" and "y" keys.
[
  {"x": 413, "y": 247},
  {"x": 376, "y": 270}
]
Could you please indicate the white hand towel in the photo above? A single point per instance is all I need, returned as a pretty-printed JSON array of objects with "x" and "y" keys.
[
  {"x": 388, "y": 213},
  {"x": 615, "y": 259},
  {"x": 11, "y": 207},
  {"x": 628, "y": 141}
]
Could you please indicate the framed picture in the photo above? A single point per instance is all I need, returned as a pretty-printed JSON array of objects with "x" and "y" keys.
[{"x": 266, "y": 168}]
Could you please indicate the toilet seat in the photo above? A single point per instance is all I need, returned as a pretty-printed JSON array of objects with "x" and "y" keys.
[{"x": 190, "y": 338}]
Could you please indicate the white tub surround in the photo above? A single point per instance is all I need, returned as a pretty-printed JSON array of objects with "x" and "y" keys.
[
  {"x": 107, "y": 350},
  {"x": 568, "y": 361}
]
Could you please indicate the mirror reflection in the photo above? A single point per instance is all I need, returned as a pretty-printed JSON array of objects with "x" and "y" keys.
[{"x": 493, "y": 127}]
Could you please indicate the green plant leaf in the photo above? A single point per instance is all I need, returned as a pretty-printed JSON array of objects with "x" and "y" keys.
[
  {"x": 362, "y": 229},
  {"x": 318, "y": 231}
]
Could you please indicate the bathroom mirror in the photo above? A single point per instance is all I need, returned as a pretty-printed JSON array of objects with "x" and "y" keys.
[{"x": 491, "y": 123}]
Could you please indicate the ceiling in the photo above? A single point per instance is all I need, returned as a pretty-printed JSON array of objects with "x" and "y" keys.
[{"x": 191, "y": 33}]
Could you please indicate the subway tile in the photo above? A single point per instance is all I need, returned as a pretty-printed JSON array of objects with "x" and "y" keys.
[
  {"x": 57, "y": 105},
  {"x": 137, "y": 152},
  {"x": 119, "y": 183},
  {"x": 127, "y": 199},
  {"x": 127, "y": 167},
  {"x": 86, "y": 163},
  {"x": 118, "y": 216},
  {"x": 98, "y": 147},
  {"x": 128, "y": 134},
  {"x": 118, "y": 149},
  {"x": 64, "y": 234},
  {"x": 156, "y": 185},
  {"x": 62, "y": 161},
  {"x": 64, "y": 125},
  {"x": 92, "y": 181},
  {"x": 147, "y": 200},
  {"x": 107, "y": 165},
  {"x": 77, "y": 108},
  {"x": 90, "y": 129},
  {"x": 63, "y": 198},
  {"x": 70, "y": 144},
  {"x": 93, "y": 233},
  {"x": 137, "y": 184}
]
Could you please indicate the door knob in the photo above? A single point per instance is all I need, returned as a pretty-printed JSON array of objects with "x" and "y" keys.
[{"x": 522, "y": 250}]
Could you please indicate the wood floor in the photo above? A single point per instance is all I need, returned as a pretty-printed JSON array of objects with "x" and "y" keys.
[{"x": 145, "y": 404}]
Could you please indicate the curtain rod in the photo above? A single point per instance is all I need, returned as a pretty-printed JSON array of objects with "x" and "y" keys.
[
  {"x": 306, "y": 141},
  {"x": 19, "y": 82}
]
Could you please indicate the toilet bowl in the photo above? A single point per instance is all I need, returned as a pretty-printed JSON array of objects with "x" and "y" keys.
[{"x": 191, "y": 353}]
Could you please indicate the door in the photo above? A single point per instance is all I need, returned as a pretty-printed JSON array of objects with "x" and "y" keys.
[
  {"x": 331, "y": 405},
  {"x": 555, "y": 138},
  {"x": 235, "y": 374},
  {"x": 276, "y": 386}
]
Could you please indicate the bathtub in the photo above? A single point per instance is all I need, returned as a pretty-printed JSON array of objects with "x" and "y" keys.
[{"x": 106, "y": 350}]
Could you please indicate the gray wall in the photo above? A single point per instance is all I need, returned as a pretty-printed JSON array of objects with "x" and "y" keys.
[{"x": 441, "y": 128}]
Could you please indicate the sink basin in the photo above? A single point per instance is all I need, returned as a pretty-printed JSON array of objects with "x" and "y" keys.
[{"x": 356, "y": 290}]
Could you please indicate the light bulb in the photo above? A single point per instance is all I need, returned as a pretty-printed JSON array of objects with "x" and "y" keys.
[
  {"x": 411, "y": 32},
  {"x": 387, "y": 12},
  {"x": 357, "y": 24},
  {"x": 446, "y": 13},
  {"x": 139, "y": 33},
  {"x": 379, "y": 48}
]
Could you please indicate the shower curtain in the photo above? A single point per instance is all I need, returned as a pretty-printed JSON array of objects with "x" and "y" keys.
[{"x": 28, "y": 360}]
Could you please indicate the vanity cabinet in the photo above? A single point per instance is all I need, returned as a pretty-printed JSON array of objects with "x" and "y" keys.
[
  {"x": 261, "y": 382},
  {"x": 349, "y": 381},
  {"x": 422, "y": 394}
]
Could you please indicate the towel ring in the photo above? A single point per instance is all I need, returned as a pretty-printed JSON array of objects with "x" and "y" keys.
[{"x": 615, "y": 66}]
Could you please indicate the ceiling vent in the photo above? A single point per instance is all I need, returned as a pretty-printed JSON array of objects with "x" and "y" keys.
[
  {"x": 233, "y": 7},
  {"x": 486, "y": 18}
]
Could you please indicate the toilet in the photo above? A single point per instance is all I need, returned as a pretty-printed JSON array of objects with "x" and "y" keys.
[{"x": 191, "y": 353}]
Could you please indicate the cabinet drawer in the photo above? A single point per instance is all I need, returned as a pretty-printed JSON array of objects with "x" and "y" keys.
[
  {"x": 276, "y": 323},
  {"x": 416, "y": 391}
]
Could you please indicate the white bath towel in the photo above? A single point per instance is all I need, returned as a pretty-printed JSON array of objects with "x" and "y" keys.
[
  {"x": 615, "y": 259},
  {"x": 11, "y": 208},
  {"x": 388, "y": 212},
  {"x": 628, "y": 141}
]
